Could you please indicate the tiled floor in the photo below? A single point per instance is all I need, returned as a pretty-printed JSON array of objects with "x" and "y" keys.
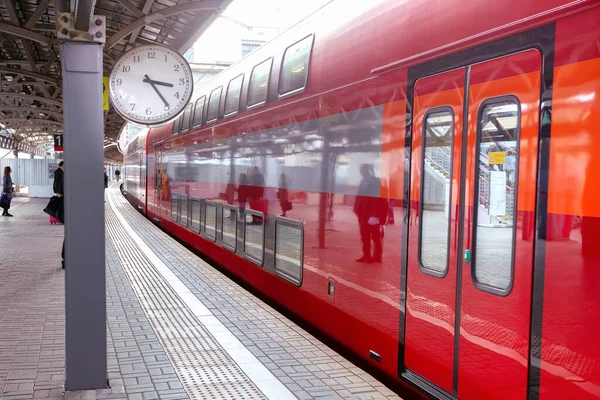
[{"x": 177, "y": 328}]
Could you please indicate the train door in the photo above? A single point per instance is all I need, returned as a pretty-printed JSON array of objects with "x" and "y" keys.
[{"x": 470, "y": 243}]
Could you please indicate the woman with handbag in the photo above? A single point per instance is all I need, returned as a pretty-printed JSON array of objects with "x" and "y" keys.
[{"x": 7, "y": 191}]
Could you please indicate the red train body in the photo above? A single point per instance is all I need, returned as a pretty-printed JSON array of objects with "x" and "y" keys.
[{"x": 477, "y": 125}]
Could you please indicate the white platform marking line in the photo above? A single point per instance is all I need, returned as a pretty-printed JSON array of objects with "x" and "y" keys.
[{"x": 252, "y": 367}]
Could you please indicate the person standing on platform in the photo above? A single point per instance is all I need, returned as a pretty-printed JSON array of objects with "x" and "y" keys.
[
  {"x": 105, "y": 178},
  {"x": 7, "y": 191},
  {"x": 59, "y": 189},
  {"x": 117, "y": 175}
]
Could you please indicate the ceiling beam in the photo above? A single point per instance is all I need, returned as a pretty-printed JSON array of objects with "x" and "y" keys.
[
  {"x": 30, "y": 97},
  {"x": 49, "y": 64},
  {"x": 31, "y": 122},
  {"x": 36, "y": 14},
  {"x": 134, "y": 10},
  {"x": 208, "y": 22},
  {"x": 24, "y": 33},
  {"x": 84, "y": 10},
  {"x": 29, "y": 53},
  {"x": 10, "y": 8},
  {"x": 31, "y": 109},
  {"x": 159, "y": 15}
]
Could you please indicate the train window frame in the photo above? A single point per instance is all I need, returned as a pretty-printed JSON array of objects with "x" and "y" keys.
[
  {"x": 482, "y": 286},
  {"x": 220, "y": 90},
  {"x": 193, "y": 200},
  {"x": 235, "y": 239},
  {"x": 204, "y": 231},
  {"x": 237, "y": 108},
  {"x": 247, "y": 256},
  {"x": 180, "y": 208},
  {"x": 293, "y": 92},
  {"x": 292, "y": 224},
  {"x": 424, "y": 269},
  {"x": 176, "y": 125},
  {"x": 186, "y": 114},
  {"x": 262, "y": 102},
  {"x": 193, "y": 119},
  {"x": 175, "y": 215}
]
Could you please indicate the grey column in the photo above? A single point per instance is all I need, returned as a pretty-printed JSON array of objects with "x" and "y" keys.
[{"x": 84, "y": 216}]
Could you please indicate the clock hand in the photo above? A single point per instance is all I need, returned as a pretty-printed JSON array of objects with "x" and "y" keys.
[
  {"x": 147, "y": 80},
  {"x": 158, "y": 82}
]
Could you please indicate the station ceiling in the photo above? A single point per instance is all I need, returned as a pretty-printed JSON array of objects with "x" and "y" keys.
[{"x": 30, "y": 69}]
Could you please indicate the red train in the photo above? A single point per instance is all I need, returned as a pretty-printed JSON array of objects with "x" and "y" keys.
[{"x": 473, "y": 126}]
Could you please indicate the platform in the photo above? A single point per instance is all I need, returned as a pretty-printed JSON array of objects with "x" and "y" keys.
[{"x": 177, "y": 328}]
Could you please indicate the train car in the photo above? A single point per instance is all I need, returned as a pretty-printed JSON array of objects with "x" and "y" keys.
[
  {"x": 134, "y": 171},
  {"x": 414, "y": 179}
]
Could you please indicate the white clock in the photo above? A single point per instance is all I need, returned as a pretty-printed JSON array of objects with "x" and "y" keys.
[{"x": 150, "y": 84}]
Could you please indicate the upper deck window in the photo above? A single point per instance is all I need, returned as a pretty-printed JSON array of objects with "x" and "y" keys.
[
  {"x": 294, "y": 69},
  {"x": 185, "y": 119},
  {"x": 213, "y": 105},
  {"x": 232, "y": 98},
  {"x": 259, "y": 83},
  {"x": 199, "y": 111}
]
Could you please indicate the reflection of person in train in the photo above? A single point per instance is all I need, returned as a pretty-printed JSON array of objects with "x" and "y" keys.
[
  {"x": 258, "y": 181},
  {"x": 372, "y": 213},
  {"x": 164, "y": 185},
  {"x": 282, "y": 195},
  {"x": 243, "y": 192}
]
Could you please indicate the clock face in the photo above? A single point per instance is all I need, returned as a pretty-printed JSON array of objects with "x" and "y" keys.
[{"x": 150, "y": 85}]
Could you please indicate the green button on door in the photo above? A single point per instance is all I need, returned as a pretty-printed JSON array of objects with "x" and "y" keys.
[{"x": 467, "y": 256}]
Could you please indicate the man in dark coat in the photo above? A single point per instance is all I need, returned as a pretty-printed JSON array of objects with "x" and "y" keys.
[
  {"x": 59, "y": 189},
  {"x": 371, "y": 211}
]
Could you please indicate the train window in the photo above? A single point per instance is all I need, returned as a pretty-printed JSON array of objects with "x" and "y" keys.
[
  {"x": 434, "y": 237},
  {"x": 195, "y": 208},
  {"x": 229, "y": 227},
  {"x": 232, "y": 98},
  {"x": 495, "y": 189},
  {"x": 210, "y": 220},
  {"x": 259, "y": 83},
  {"x": 174, "y": 206},
  {"x": 183, "y": 210},
  {"x": 199, "y": 111},
  {"x": 294, "y": 69},
  {"x": 185, "y": 118},
  {"x": 176, "y": 125},
  {"x": 289, "y": 250},
  {"x": 254, "y": 236},
  {"x": 213, "y": 105}
]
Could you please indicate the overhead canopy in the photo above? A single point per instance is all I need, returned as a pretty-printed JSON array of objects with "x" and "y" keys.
[{"x": 30, "y": 84}]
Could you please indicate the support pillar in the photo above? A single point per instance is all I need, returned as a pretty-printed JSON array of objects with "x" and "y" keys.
[{"x": 85, "y": 285}]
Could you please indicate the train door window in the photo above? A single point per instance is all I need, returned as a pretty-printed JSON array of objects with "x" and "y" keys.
[
  {"x": 254, "y": 236},
  {"x": 232, "y": 98},
  {"x": 199, "y": 111},
  {"x": 259, "y": 83},
  {"x": 294, "y": 69},
  {"x": 229, "y": 227},
  {"x": 436, "y": 174},
  {"x": 495, "y": 187},
  {"x": 195, "y": 214},
  {"x": 174, "y": 206},
  {"x": 210, "y": 220},
  {"x": 185, "y": 118},
  {"x": 289, "y": 246},
  {"x": 213, "y": 105},
  {"x": 183, "y": 210}
]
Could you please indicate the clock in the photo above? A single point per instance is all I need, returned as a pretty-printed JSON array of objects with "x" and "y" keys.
[{"x": 150, "y": 85}]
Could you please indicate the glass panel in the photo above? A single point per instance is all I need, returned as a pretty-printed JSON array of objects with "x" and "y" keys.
[
  {"x": 254, "y": 237},
  {"x": 435, "y": 194},
  {"x": 232, "y": 100},
  {"x": 185, "y": 119},
  {"x": 195, "y": 210},
  {"x": 199, "y": 111},
  {"x": 294, "y": 71},
  {"x": 495, "y": 214},
  {"x": 259, "y": 83},
  {"x": 210, "y": 220},
  {"x": 288, "y": 251},
  {"x": 174, "y": 205},
  {"x": 176, "y": 125},
  {"x": 213, "y": 105},
  {"x": 229, "y": 230},
  {"x": 183, "y": 210}
]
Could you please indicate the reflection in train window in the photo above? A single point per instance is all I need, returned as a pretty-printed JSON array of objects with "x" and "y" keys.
[
  {"x": 259, "y": 83},
  {"x": 185, "y": 119},
  {"x": 210, "y": 220},
  {"x": 294, "y": 69},
  {"x": 199, "y": 111},
  {"x": 174, "y": 206},
  {"x": 229, "y": 228},
  {"x": 289, "y": 246},
  {"x": 254, "y": 236},
  {"x": 195, "y": 214},
  {"x": 438, "y": 132},
  {"x": 232, "y": 98},
  {"x": 213, "y": 105},
  {"x": 183, "y": 210},
  {"x": 495, "y": 187}
]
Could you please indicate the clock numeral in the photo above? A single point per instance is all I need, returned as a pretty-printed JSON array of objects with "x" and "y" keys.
[
  {"x": 181, "y": 81},
  {"x": 126, "y": 68},
  {"x": 148, "y": 111},
  {"x": 151, "y": 54},
  {"x": 176, "y": 67},
  {"x": 136, "y": 58},
  {"x": 166, "y": 58},
  {"x": 177, "y": 95},
  {"x": 119, "y": 82},
  {"x": 132, "y": 105}
]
